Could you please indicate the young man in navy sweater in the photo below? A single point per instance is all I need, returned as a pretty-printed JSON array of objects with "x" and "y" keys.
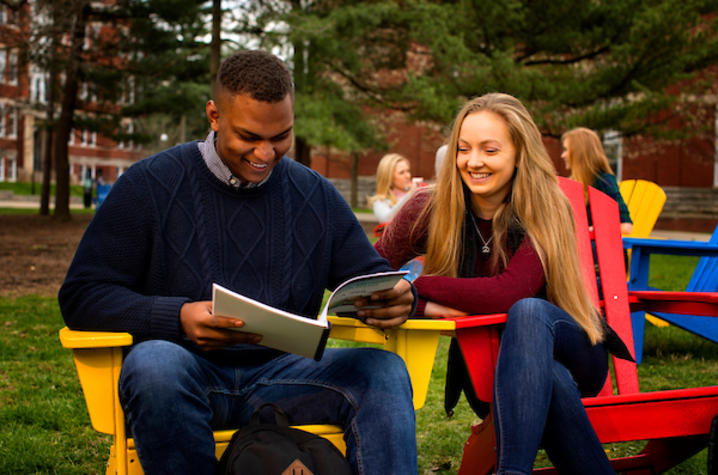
[{"x": 232, "y": 209}]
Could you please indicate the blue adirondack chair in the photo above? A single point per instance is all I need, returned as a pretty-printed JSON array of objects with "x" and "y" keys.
[{"x": 704, "y": 279}]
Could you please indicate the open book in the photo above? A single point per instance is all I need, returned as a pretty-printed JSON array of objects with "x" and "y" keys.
[{"x": 294, "y": 333}]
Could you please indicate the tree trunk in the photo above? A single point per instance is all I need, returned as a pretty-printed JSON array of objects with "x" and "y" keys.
[
  {"x": 47, "y": 149},
  {"x": 67, "y": 114},
  {"x": 215, "y": 47},
  {"x": 302, "y": 151}
]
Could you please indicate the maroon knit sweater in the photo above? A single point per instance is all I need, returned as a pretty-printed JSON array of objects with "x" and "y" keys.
[{"x": 491, "y": 292}]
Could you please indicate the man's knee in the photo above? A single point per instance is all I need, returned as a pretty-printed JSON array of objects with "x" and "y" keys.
[
  {"x": 382, "y": 367},
  {"x": 155, "y": 367}
]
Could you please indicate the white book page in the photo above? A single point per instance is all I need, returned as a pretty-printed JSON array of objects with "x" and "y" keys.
[{"x": 279, "y": 329}]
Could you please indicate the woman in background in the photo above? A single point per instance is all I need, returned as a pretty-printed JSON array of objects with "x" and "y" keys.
[
  {"x": 393, "y": 184},
  {"x": 498, "y": 236},
  {"x": 584, "y": 157}
]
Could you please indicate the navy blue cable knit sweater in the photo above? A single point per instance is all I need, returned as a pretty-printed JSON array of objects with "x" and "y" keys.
[{"x": 169, "y": 229}]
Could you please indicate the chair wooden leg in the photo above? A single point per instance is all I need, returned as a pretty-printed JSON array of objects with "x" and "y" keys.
[{"x": 480, "y": 449}]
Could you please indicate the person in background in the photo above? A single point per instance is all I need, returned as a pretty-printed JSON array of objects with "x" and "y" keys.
[
  {"x": 393, "y": 186},
  {"x": 234, "y": 210},
  {"x": 584, "y": 157},
  {"x": 498, "y": 236},
  {"x": 87, "y": 188}
]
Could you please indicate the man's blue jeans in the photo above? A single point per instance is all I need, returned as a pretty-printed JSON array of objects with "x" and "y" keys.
[
  {"x": 174, "y": 398},
  {"x": 546, "y": 364}
]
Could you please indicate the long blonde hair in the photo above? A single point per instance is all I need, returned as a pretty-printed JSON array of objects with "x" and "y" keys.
[
  {"x": 385, "y": 177},
  {"x": 535, "y": 203},
  {"x": 585, "y": 155}
]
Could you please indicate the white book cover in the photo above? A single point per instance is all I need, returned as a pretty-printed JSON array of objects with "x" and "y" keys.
[{"x": 295, "y": 333}]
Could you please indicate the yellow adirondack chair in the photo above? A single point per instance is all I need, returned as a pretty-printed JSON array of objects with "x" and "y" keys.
[
  {"x": 98, "y": 360},
  {"x": 645, "y": 202}
]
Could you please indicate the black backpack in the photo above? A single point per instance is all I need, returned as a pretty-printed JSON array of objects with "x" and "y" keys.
[{"x": 277, "y": 449}]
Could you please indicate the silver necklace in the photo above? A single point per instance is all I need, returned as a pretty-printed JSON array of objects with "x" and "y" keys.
[{"x": 485, "y": 249}]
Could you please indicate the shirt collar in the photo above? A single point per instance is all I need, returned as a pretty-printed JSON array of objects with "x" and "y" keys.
[{"x": 219, "y": 168}]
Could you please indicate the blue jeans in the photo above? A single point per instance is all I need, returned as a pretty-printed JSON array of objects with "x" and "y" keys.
[
  {"x": 546, "y": 363},
  {"x": 174, "y": 398}
]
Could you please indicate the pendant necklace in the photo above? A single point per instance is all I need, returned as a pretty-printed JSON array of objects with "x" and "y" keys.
[{"x": 485, "y": 249}]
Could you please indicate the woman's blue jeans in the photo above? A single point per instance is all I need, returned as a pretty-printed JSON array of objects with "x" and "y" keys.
[
  {"x": 174, "y": 398},
  {"x": 546, "y": 364}
]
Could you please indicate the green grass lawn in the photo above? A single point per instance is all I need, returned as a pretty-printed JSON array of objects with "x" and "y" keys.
[
  {"x": 44, "y": 427},
  {"x": 26, "y": 188},
  {"x": 37, "y": 210}
]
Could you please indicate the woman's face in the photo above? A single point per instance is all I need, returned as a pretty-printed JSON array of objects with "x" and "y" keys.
[
  {"x": 486, "y": 159},
  {"x": 565, "y": 154},
  {"x": 402, "y": 176}
]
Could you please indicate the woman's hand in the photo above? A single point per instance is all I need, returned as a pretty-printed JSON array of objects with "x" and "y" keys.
[{"x": 437, "y": 310}]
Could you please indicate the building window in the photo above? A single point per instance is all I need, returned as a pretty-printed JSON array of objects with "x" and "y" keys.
[
  {"x": 2, "y": 65},
  {"x": 12, "y": 69},
  {"x": 37, "y": 88},
  {"x": 613, "y": 146},
  {"x": 12, "y": 164},
  {"x": 11, "y": 129},
  {"x": 3, "y": 120}
]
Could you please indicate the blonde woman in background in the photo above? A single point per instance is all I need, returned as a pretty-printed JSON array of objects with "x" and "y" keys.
[
  {"x": 584, "y": 157},
  {"x": 393, "y": 184},
  {"x": 498, "y": 236}
]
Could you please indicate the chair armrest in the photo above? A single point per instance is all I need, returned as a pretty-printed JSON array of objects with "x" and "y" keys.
[
  {"x": 684, "y": 303},
  {"x": 416, "y": 341},
  {"x": 672, "y": 246},
  {"x": 92, "y": 339}
]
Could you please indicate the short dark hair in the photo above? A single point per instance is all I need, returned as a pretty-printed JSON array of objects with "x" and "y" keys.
[{"x": 261, "y": 75}]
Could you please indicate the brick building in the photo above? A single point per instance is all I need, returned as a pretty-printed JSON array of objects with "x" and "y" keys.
[{"x": 23, "y": 96}]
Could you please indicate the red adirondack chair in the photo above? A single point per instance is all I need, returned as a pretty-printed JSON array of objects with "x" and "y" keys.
[{"x": 676, "y": 423}]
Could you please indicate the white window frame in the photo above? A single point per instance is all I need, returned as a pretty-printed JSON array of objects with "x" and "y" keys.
[
  {"x": 13, "y": 72},
  {"x": 3, "y": 120},
  {"x": 12, "y": 125},
  {"x": 12, "y": 163},
  {"x": 611, "y": 138},
  {"x": 3, "y": 64}
]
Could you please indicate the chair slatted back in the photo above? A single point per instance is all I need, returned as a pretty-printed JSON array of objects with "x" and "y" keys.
[
  {"x": 705, "y": 276},
  {"x": 645, "y": 201},
  {"x": 609, "y": 253}
]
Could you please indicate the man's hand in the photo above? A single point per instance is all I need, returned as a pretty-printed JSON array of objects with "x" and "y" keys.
[
  {"x": 209, "y": 331},
  {"x": 394, "y": 306}
]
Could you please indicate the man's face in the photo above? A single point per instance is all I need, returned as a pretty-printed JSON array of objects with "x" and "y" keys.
[{"x": 252, "y": 136}]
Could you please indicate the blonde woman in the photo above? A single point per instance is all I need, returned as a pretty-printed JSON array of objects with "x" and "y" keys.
[
  {"x": 498, "y": 235},
  {"x": 393, "y": 184},
  {"x": 584, "y": 157}
]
